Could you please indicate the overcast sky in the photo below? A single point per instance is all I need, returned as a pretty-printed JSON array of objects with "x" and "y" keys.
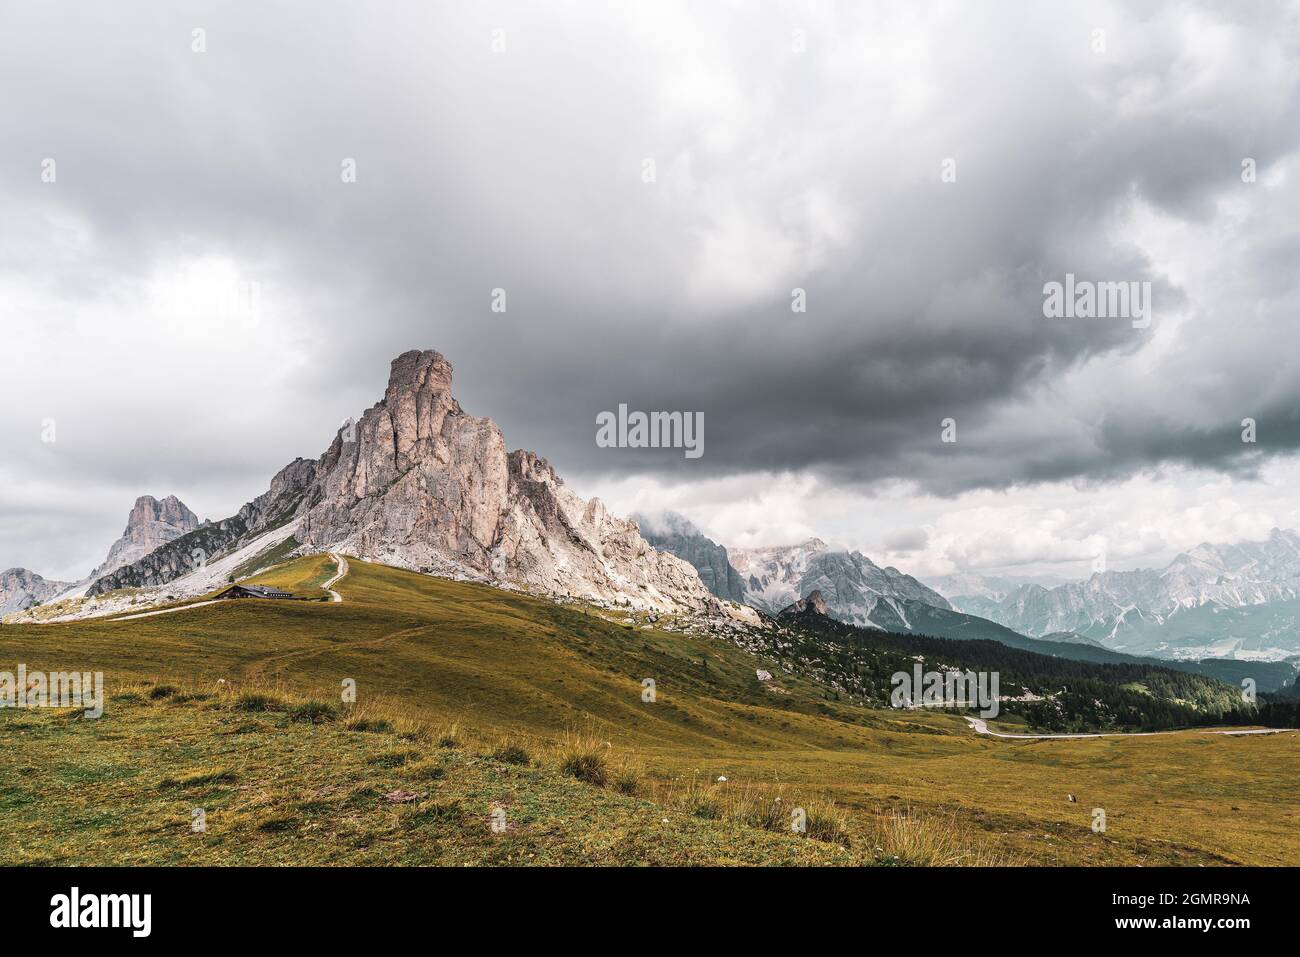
[{"x": 793, "y": 146}]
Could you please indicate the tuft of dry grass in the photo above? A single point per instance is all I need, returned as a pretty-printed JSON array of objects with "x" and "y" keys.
[
  {"x": 366, "y": 723},
  {"x": 903, "y": 837},
  {"x": 256, "y": 701},
  {"x": 449, "y": 736},
  {"x": 588, "y": 757},
  {"x": 586, "y": 765},
  {"x": 313, "y": 712},
  {"x": 509, "y": 752},
  {"x": 757, "y": 805},
  {"x": 627, "y": 780}
]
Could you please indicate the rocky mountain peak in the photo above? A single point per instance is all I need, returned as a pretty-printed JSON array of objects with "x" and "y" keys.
[
  {"x": 812, "y": 603},
  {"x": 418, "y": 399},
  {"x": 147, "y": 510},
  {"x": 151, "y": 524},
  {"x": 418, "y": 370},
  {"x": 420, "y": 483},
  {"x": 528, "y": 466},
  {"x": 21, "y": 588}
]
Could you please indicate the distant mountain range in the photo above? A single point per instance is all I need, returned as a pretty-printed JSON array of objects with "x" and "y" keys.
[
  {"x": 1237, "y": 600},
  {"x": 854, "y": 590},
  {"x": 987, "y": 586}
]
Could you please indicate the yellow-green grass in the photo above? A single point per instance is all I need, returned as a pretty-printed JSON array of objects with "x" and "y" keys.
[
  {"x": 507, "y": 665},
  {"x": 303, "y": 577},
  {"x": 124, "y": 790}
]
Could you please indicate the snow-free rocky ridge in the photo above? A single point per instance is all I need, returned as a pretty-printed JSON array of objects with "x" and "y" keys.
[
  {"x": 21, "y": 588},
  {"x": 151, "y": 523}
]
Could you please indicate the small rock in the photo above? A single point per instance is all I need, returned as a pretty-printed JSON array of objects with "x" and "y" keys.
[{"x": 402, "y": 797}]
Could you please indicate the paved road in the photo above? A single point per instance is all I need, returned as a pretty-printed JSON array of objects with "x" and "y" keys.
[{"x": 981, "y": 726}]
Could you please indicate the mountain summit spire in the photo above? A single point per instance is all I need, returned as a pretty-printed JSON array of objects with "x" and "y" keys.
[{"x": 425, "y": 485}]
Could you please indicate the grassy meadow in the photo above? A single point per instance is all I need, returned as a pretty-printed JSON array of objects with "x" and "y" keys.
[{"x": 471, "y": 701}]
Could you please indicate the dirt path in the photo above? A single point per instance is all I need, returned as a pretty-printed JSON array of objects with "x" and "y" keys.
[
  {"x": 981, "y": 727},
  {"x": 166, "y": 611},
  {"x": 341, "y": 564}
]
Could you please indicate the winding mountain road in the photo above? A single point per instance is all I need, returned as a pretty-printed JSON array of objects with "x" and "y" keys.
[
  {"x": 341, "y": 566},
  {"x": 981, "y": 727},
  {"x": 341, "y": 569}
]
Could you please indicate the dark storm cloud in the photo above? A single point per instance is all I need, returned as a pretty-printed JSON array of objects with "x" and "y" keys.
[{"x": 523, "y": 169}]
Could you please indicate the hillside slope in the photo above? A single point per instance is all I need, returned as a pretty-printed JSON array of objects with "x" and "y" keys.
[
  {"x": 508, "y": 665},
  {"x": 292, "y": 783}
]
